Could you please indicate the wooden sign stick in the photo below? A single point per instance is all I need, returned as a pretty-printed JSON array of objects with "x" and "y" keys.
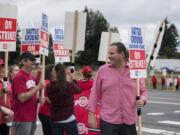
[
  {"x": 43, "y": 74},
  {"x": 109, "y": 42},
  {"x": 139, "y": 122},
  {"x": 74, "y": 36},
  {"x": 5, "y": 76}
]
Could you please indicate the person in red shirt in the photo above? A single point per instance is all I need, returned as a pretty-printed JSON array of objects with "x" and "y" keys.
[
  {"x": 81, "y": 102},
  {"x": 24, "y": 91},
  {"x": 45, "y": 110},
  {"x": 154, "y": 81},
  {"x": 60, "y": 92},
  {"x": 163, "y": 83},
  {"x": 4, "y": 128}
]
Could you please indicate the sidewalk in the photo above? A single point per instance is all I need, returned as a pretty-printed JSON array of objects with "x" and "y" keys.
[{"x": 39, "y": 130}]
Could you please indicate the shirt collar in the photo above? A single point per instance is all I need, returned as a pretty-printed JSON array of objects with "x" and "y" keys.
[
  {"x": 24, "y": 72},
  {"x": 127, "y": 65}
]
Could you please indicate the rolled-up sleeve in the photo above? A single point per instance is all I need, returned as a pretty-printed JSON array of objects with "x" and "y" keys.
[
  {"x": 95, "y": 92},
  {"x": 143, "y": 90}
]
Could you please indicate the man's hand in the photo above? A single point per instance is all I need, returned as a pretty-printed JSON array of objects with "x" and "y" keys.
[
  {"x": 42, "y": 100},
  {"x": 92, "y": 120},
  {"x": 140, "y": 103},
  {"x": 41, "y": 85},
  {"x": 7, "y": 111}
]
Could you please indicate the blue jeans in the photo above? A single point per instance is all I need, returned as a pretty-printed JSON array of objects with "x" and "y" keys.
[{"x": 70, "y": 128}]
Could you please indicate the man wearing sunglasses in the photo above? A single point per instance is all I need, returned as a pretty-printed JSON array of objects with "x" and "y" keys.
[{"x": 25, "y": 89}]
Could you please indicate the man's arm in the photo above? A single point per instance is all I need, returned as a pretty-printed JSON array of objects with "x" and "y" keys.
[
  {"x": 23, "y": 97},
  {"x": 93, "y": 99},
  {"x": 6, "y": 111}
]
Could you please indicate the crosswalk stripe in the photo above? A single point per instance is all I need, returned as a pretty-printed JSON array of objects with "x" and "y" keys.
[
  {"x": 155, "y": 113},
  {"x": 159, "y": 131},
  {"x": 169, "y": 122},
  {"x": 165, "y": 103},
  {"x": 176, "y": 111}
]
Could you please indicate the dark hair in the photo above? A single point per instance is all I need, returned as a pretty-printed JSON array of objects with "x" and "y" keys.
[
  {"x": 27, "y": 56},
  {"x": 61, "y": 76},
  {"x": 121, "y": 48},
  {"x": 48, "y": 71}
]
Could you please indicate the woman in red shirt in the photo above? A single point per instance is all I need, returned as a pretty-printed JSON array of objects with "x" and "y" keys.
[{"x": 45, "y": 110}]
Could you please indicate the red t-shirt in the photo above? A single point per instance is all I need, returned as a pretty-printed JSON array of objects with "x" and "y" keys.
[
  {"x": 81, "y": 102},
  {"x": 8, "y": 102},
  {"x": 24, "y": 112},
  {"x": 45, "y": 109}
]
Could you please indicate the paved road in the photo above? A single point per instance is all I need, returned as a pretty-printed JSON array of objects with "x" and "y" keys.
[
  {"x": 161, "y": 116},
  {"x": 162, "y": 113}
]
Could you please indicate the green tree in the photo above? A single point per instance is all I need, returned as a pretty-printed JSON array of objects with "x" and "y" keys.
[
  {"x": 14, "y": 56},
  {"x": 96, "y": 24},
  {"x": 50, "y": 58},
  {"x": 170, "y": 42}
]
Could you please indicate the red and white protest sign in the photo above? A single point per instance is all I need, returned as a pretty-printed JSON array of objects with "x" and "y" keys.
[
  {"x": 30, "y": 40},
  {"x": 137, "y": 54},
  {"x": 60, "y": 53},
  {"x": 137, "y": 59},
  {"x": 8, "y": 25},
  {"x": 44, "y": 36}
]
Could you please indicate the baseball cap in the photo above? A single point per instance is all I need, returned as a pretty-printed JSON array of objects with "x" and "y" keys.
[
  {"x": 27, "y": 55},
  {"x": 1, "y": 61},
  {"x": 86, "y": 69}
]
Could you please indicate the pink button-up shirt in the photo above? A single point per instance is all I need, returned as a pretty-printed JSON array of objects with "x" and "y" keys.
[{"x": 116, "y": 92}]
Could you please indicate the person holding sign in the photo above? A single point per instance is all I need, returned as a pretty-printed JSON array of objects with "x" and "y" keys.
[
  {"x": 45, "y": 109},
  {"x": 116, "y": 92},
  {"x": 4, "y": 89},
  {"x": 25, "y": 97}
]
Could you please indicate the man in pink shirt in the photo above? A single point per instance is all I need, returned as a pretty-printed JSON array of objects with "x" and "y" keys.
[
  {"x": 116, "y": 92},
  {"x": 24, "y": 90}
]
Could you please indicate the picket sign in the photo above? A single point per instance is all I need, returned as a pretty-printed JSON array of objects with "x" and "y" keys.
[
  {"x": 137, "y": 64},
  {"x": 74, "y": 32},
  {"x": 44, "y": 46},
  {"x": 8, "y": 27},
  {"x": 8, "y": 15},
  {"x": 60, "y": 53},
  {"x": 30, "y": 40},
  {"x": 106, "y": 39}
]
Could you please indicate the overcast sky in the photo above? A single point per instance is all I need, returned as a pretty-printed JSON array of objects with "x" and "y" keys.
[{"x": 120, "y": 13}]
